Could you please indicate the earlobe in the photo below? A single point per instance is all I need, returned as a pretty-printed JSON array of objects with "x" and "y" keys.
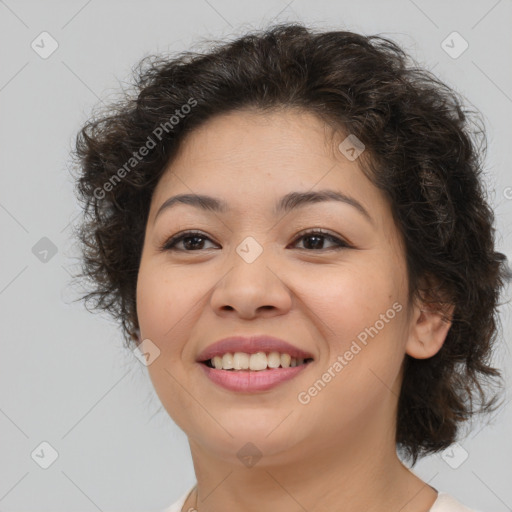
[{"x": 428, "y": 331}]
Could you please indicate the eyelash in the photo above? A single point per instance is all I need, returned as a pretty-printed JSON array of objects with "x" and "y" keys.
[{"x": 170, "y": 244}]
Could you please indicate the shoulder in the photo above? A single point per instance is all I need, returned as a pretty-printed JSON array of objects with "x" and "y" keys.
[
  {"x": 447, "y": 503},
  {"x": 177, "y": 505}
]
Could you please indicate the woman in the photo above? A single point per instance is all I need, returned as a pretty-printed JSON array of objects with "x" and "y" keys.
[{"x": 292, "y": 229}]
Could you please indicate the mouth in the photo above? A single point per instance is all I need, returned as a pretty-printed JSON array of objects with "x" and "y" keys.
[
  {"x": 252, "y": 364},
  {"x": 270, "y": 350}
]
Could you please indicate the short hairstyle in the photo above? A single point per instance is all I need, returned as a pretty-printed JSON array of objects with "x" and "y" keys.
[{"x": 423, "y": 149}]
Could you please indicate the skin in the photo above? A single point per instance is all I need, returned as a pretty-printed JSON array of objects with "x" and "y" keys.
[{"x": 340, "y": 447}]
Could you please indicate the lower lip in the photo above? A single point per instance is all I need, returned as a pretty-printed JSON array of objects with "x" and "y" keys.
[{"x": 250, "y": 380}]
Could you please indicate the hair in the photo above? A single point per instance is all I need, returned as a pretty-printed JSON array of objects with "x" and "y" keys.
[{"x": 423, "y": 149}]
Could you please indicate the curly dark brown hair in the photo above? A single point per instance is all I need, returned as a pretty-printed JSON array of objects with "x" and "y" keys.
[{"x": 424, "y": 150}]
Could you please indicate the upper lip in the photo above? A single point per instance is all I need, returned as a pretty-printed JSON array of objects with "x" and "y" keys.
[{"x": 251, "y": 345}]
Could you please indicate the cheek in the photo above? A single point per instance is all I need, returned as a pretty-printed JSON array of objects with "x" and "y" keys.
[
  {"x": 166, "y": 316},
  {"x": 350, "y": 301},
  {"x": 362, "y": 316},
  {"x": 152, "y": 301},
  {"x": 164, "y": 300}
]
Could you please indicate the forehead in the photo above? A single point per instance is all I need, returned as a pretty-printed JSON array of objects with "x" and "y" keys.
[
  {"x": 251, "y": 159},
  {"x": 260, "y": 135}
]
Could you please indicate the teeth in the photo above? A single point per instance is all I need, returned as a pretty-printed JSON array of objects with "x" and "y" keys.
[
  {"x": 273, "y": 360},
  {"x": 241, "y": 361},
  {"x": 227, "y": 361},
  {"x": 256, "y": 362}
]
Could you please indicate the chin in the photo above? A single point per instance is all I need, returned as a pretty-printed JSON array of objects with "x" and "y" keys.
[{"x": 256, "y": 440}]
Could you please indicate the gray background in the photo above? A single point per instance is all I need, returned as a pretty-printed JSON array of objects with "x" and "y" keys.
[{"x": 65, "y": 377}]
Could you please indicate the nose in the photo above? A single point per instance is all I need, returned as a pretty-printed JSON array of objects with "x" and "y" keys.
[{"x": 252, "y": 288}]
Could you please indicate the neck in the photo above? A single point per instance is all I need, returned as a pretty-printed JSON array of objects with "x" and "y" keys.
[{"x": 357, "y": 476}]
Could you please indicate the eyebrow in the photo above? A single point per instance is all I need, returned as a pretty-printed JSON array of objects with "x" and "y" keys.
[{"x": 289, "y": 202}]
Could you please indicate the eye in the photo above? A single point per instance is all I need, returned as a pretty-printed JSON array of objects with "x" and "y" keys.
[
  {"x": 317, "y": 235},
  {"x": 195, "y": 244},
  {"x": 194, "y": 240}
]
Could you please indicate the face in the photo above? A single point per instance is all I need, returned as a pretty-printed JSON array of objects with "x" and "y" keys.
[{"x": 340, "y": 295}]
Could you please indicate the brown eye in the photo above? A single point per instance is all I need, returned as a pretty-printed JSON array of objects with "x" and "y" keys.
[
  {"x": 317, "y": 238},
  {"x": 192, "y": 241},
  {"x": 195, "y": 240}
]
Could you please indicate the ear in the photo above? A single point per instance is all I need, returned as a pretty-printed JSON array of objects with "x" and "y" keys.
[{"x": 430, "y": 323}]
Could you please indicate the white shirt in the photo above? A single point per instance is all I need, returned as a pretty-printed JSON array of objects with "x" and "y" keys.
[{"x": 444, "y": 503}]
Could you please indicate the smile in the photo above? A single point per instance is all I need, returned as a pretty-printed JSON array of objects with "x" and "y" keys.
[{"x": 255, "y": 372}]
